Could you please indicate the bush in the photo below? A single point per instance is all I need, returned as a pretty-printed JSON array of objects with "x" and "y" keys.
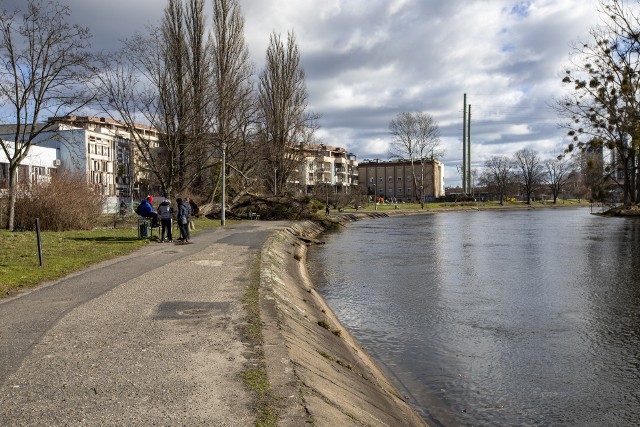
[{"x": 66, "y": 203}]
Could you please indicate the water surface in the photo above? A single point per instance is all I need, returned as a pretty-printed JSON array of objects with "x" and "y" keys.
[{"x": 495, "y": 317}]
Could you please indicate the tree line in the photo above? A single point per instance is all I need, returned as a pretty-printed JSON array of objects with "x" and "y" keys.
[
  {"x": 190, "y": 77},
  {"x": 527, "y": 173}
]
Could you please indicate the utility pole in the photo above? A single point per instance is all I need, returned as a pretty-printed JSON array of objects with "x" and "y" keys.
[{"x": 469, "y": 189}]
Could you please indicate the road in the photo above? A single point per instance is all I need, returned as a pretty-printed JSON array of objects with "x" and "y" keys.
[{"x": 153, "y": 338}]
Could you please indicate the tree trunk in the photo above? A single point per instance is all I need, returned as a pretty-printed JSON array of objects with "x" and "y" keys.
[
  {"x": 636, "y": 190},
  {"x": 632, "y": 185},
  {"x": 13, "y": 193},
  {"x": 626, "y": 187}
]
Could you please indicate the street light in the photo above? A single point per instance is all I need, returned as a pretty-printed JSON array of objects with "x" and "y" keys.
[{"x": 223, "y": 200}]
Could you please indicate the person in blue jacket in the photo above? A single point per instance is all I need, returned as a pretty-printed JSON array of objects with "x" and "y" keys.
[{"x": 146, "y": 211}]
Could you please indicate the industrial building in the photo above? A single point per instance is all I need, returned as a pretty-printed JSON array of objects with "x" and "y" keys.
[{"x": 394, "y": 180}]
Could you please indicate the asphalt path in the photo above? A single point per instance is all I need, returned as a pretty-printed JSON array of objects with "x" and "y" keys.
[{"x": 152, "y": 338}]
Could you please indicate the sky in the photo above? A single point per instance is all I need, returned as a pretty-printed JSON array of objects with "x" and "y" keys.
[{"x": 368, "y": 60}]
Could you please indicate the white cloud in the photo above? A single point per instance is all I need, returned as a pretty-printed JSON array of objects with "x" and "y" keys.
[{"x": 367, "y": 60}]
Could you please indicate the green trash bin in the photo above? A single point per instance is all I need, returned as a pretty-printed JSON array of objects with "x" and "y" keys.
[{"x": 144, "y": 229}]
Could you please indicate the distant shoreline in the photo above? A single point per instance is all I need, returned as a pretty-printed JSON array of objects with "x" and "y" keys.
[{"x": 370, "y": 214}]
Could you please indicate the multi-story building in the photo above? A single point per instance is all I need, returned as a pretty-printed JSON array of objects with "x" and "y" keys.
[
  {"x": 99, "y": 148},
  {"x": 325, "y": 165},
  {"x": 109, "y": 159},
  {"x": 41, "y": 163},
  {"x": 393, "y": 180}
]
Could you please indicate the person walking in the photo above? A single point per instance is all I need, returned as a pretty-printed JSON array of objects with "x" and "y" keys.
[
  {"x": 165, "y": 212},
  {"x": 183, "y": 220}
]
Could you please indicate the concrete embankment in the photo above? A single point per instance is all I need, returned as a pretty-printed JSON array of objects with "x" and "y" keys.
[{"x": 312, "y": 362}]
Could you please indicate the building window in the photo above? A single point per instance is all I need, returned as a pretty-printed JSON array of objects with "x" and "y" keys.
[
  {"x": 371, "y": 179},
  {"x": 399, "y": 178},
  {"x": 380, "y": 179},
  {"x": 37, "y": 172},
  {"x": 390, "y": 179}
]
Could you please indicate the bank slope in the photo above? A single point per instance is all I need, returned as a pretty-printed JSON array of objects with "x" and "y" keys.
[{"x": 318, "y": 370}]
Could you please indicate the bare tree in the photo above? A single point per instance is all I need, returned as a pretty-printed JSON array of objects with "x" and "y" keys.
[
  {"x": 43, "y": 68},
  {"x": 233, "y": 104},
  {"x": 416, "y": 138},
  {"x": 602, "y": 108},
  {"x": 285, "y": 124},
  {"x": 200, "y": 69},
  {"x": 498, "y": 175},
  {"x": 151, "y": 81},
  {"x": 530, "y": 170},
  {"x": 556, "y": 175}
]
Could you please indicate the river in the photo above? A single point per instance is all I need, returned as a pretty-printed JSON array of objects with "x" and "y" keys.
[{"x": 522, "y": 317}]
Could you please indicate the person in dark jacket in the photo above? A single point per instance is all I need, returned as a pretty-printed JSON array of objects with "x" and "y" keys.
[
  {"x": 182, "y": 217},
  {"x": 189, "y": 206},
  {"x": 165, "y": 212}
]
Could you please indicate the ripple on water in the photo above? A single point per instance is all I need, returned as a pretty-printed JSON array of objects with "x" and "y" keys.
[{"x": 495, "y": 318}]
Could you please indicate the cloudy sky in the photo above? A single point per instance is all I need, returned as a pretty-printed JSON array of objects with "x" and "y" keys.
[{"x": 368, "y": 60}]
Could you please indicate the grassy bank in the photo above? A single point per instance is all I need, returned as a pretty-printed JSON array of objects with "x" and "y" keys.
[
  {"x": 66, "y": 252},
  {"x": 462, "y": 205}
]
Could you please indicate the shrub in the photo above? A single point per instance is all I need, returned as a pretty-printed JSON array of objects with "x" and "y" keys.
[{"x": 65, "y": 203}]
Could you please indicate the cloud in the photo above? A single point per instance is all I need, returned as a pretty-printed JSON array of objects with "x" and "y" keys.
[{"x": 367, "y": 60}]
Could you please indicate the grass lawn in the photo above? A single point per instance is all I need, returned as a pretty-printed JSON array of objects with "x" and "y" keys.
[{"x": 66, "y": 252}]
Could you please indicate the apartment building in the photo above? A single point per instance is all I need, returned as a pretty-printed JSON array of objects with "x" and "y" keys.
[
  {"x": 109, "y": 156},
  {"x": 326, "y": 165},
  {"x": 393, "y": 180},
  {"x": 97, "y": 147},
  {"x": 41, "y": 163}
]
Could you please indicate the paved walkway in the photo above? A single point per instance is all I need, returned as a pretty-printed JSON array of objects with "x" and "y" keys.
[{"x": 154, "y": 338}]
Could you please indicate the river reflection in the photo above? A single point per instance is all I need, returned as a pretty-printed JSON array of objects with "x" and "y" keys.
[{"x": 496, "y": 317}]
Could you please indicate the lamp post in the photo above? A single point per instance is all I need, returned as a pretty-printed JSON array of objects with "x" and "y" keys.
[{"x": 224, "y": 190}]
